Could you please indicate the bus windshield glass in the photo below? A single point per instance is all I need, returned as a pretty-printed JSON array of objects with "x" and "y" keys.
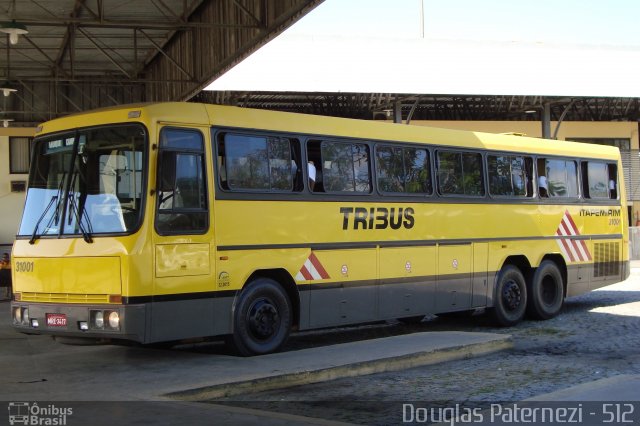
[{"x": 86, "y": 182}]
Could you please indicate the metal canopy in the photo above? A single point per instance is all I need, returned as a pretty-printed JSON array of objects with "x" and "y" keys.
[
  {"x": 83, "y": 54},
  {"x": 433, "y": 107}
]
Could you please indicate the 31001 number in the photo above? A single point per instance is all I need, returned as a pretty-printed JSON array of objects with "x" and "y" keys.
[{"x": 24, "y": 266}]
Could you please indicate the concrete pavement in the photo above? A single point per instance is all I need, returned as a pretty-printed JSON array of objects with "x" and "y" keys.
[
  {"x": 108, "y": 384},
  {"x": 625, "y": 387},
  {"x": 42, "y": 369}
]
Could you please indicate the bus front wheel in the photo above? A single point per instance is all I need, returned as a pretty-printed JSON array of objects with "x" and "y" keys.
[
  {"x": 546, "y": 291},
  {"x": 262, "y": 318},
  {"x": 510, "y": 301}
]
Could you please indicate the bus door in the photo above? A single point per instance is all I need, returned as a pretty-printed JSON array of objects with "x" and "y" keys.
[
  {"x": 183, "y": 270},
  {"x": 455, "y": 269}
]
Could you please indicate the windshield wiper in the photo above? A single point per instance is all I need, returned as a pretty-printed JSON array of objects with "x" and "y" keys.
[
  {"x": 55, "y": 199},
  {"x": 79, "y": 214},
  {"x": 77, "y": 208}
]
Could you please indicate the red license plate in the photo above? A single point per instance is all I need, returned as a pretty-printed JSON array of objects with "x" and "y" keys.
[{"x": 56, "y": 320}]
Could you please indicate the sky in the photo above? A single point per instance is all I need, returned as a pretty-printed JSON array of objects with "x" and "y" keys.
[{"x": 492, "y": 47}]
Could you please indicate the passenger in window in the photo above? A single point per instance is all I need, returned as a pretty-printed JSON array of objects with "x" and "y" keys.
[
  {"x": 543, "y": 187},
  {"x": 312, "y": 174}
]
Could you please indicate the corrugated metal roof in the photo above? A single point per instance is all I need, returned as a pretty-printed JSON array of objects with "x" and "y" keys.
[{"x": 83, "y": 54}]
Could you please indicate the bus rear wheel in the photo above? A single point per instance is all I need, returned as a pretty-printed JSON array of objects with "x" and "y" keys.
[
  {"x": 546, "y": 291},
  {"x": 511, "y": 297},
  {"x": 262, "y": 318}
]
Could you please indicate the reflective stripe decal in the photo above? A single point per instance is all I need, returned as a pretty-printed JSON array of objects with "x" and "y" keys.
[
  {"x": 574, "y": 250},
  {"x": 312, "y": 270}
]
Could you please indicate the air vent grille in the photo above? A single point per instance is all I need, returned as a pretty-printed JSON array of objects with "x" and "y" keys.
[{"x": 607, "y": 259}]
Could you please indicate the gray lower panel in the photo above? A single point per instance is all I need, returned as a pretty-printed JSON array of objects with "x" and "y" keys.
[
  {"x": 407, "y": 299},
  {"x": 342, "y": 305},
  {"x": 585, "y": 278},
  {"x": 185, "y": 319},
  {"x": 453, "y": 294}
]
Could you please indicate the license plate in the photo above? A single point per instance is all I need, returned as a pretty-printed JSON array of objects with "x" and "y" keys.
[{"x": 56, "y": 320}]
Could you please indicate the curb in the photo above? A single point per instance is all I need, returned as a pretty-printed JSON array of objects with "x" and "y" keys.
[{"x": 381, "y": 365}]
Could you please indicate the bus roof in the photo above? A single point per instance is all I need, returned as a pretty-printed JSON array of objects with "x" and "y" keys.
[{"x": 187, "y": 113}]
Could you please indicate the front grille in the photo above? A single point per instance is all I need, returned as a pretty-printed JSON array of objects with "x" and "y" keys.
[
  {"x": 64, "y": 297},
  {"x": 607, "y": 259}
]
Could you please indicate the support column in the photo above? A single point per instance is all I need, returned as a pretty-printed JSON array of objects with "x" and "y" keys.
[
  {"x": 397, "y": 112},
  {"x": 546, "y": 120}
]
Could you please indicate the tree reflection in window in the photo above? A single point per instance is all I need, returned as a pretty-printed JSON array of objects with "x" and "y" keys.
[
  {"x": 460, "y": 173},
  {"x": 510, "y": 175},
  {"x": 256, "y": 162},
  {"x": 345, "y": 167},
  {"x": 403, "y": 169}
]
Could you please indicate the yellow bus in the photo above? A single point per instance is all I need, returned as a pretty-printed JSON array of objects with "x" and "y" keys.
[{"x": 174, "y": 221}]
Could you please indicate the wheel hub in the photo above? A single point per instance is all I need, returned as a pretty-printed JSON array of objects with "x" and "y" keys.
[
  {"x": 263, "y": 319},
  {"x": 511, "y": 296}
]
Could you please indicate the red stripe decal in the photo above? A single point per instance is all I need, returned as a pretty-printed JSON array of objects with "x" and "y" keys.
[
  {"x": 576, "y": 246},
  {"x": 306, "y": 274},
  {"x": 573, "y": 224},
  {"x": 566, "y": 248},
  {"x": 586, "y": 250},
  {"x": 567, "y": 229},
  {"x": 316, "y": 263}
]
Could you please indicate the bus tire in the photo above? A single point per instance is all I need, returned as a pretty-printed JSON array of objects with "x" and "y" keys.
[
  {"x": 262, "y": 318},
  {"x": 510, "y": 301},
  {"x": 546, "y": 291}
]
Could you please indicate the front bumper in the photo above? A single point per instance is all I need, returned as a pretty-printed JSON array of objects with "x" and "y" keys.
[{"x": 79, "y": 321}]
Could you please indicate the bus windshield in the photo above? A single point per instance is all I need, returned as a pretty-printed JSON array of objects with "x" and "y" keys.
[{"x": 86, "y": 182}]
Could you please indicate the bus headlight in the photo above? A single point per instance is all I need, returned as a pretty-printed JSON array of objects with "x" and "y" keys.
[
  {"x": 114, "y": 320},
  {"x": 98, "y": 319},
  {"x": 104, "y": 320},
  {"x": 17, "y": 315},
  {"x": 25, "y": 316}
]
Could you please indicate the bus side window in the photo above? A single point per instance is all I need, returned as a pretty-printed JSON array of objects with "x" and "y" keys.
[
  {"x": 459, "y": 173},
  {"x": 599, "y": 180},
  {"x": 510, "y": 175},
  {"x": 561, "y": 177},
  {"x": 613, "y": 181},
  {"x": 259, "y": 163},
  {"x": 345, "y": 167}
]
